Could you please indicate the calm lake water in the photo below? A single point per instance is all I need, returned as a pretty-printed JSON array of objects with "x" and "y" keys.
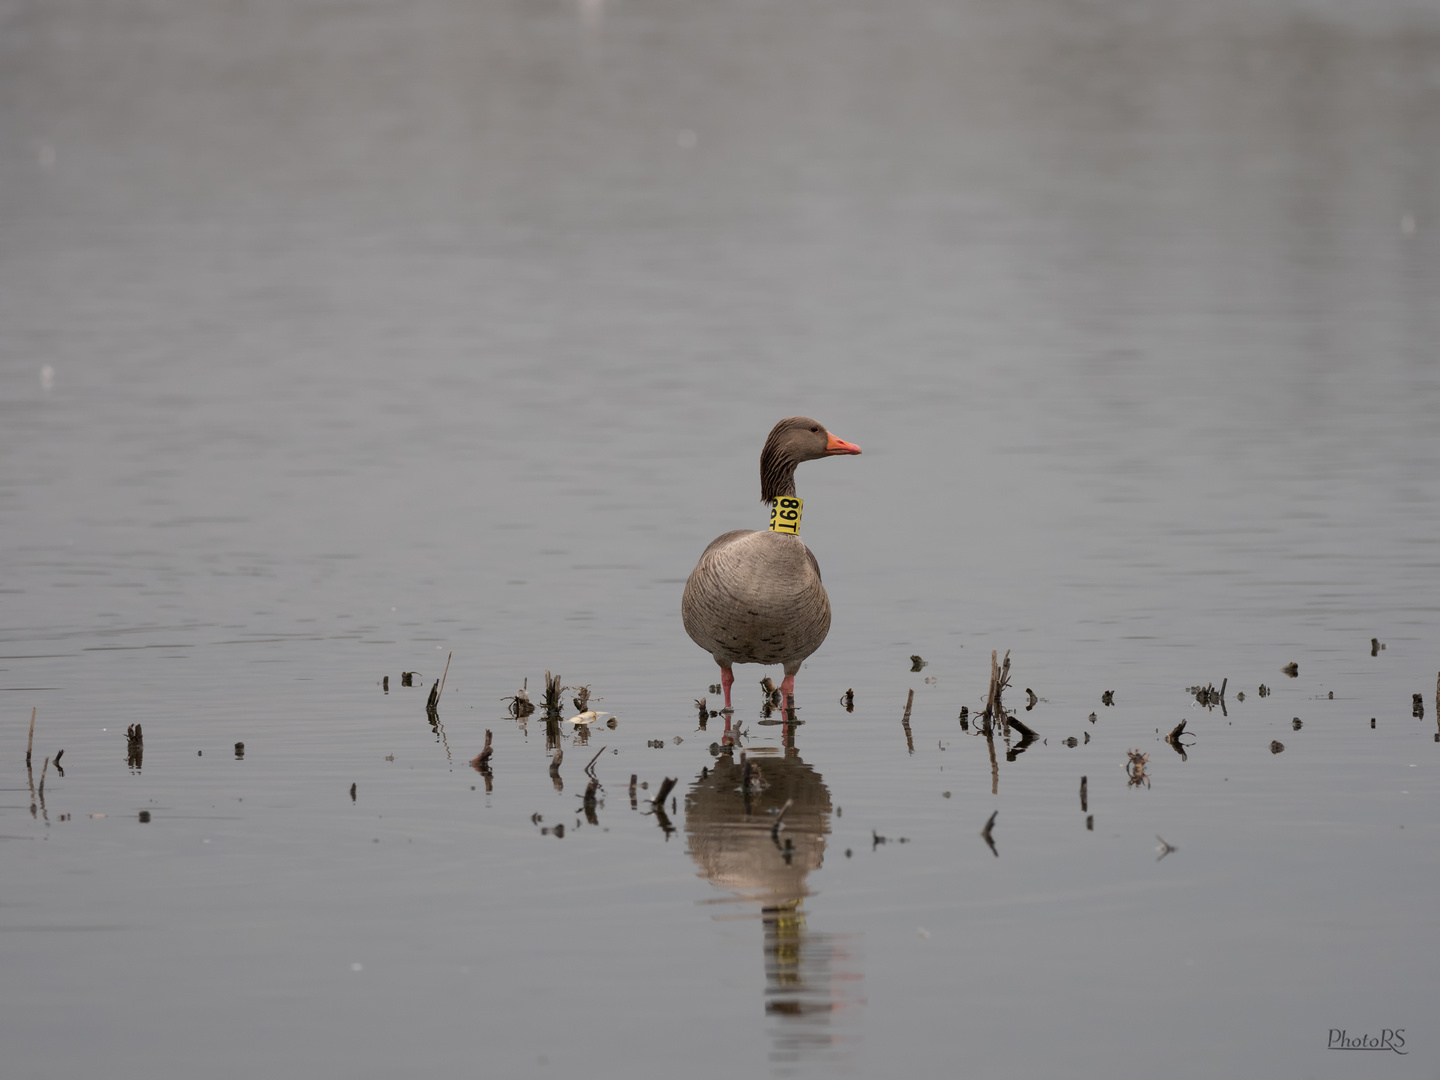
[{"x": 339, "y": 339}]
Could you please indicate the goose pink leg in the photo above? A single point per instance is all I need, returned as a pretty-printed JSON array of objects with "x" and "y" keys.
[{"x": 727, "y": 680}]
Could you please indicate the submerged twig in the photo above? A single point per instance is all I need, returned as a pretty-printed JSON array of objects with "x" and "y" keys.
[
  {"x": 444, "y": 675},
  {"x": 29, "y": 745},
  {"x": 589, "y": 768},
  {"x": 1027, "y": 734},
  {"x": 780, "y": 818},
  {"x": 985, "y": 834},
  {"x": 905, "y": 722},
  {"x": 659, "y": 800}
]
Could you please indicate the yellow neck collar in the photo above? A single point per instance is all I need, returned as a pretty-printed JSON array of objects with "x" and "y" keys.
[{"x": 785, "y": 515}]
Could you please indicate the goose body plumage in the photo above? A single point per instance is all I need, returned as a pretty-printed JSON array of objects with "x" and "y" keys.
[{"x": 756, "y": 597}]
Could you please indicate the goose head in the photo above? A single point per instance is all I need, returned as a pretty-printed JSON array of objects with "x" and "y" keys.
[{"x": 793, "y": 440}]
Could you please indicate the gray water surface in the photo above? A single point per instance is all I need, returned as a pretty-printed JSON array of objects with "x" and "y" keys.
[{"x": 339, "y": 339}]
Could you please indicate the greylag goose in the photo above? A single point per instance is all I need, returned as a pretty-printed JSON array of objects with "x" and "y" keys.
[{"x": 756, "y": 597}]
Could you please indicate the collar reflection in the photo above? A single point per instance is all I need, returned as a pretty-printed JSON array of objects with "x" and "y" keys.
[{"x": 812, "y": 980}]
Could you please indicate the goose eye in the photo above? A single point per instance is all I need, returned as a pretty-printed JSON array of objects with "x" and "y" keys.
[{"x": 815, "y": 429}]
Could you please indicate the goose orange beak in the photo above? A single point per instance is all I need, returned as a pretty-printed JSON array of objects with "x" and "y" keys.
[{"x": 837, "y": 445}]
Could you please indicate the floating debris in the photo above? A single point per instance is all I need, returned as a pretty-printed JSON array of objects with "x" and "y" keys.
[
  {"x": 715, "y": 688},
  {"x": 30, "y": 743},
  {"x": 1174, "y": 740},
  {"x": 239, "y": 753},
  {"x": 1071, "y": 742},
  {"x": 385, "y": 684},
  {"x": 1264, "y": 690},
  {"x": 772, "y": 692},
  {"x": 1295, "y": 724},
  {"x": 1032, "y": 699},
  {"x": 905, "y": 722},
  {"x": 1292, "y": 669},
  {"x": 916, "y": 663},
  {"x": 407, "y": 678},
  {"x": 1107, "y": 698},
  {"x": 1084, "y": 794},
  {"x": 520, "y": 703},
  {"x": 655, "y": 744},
  {"x": 1135, "y": 766},
  {"x": 587, "y": 717},
  {"x": 1417, "y": 706},
  {"x": 581, "y": 698},
  {"x": 134, "y": 746},
  {"x": 1092, "y": 718},
  {"x": 1276, "y": 746},
  {"x": 930, "y": 680},
  {"x": 985, "y": 834},
  {"x": 1165, "y": 848},
  {"x": 1375, "y": 646},
  {"x": 848, "y": 700},
  {"x": 1207, "y": 695},
  {"x": 481, "y": 761},
  {"x": 352, "y": 792},
  {"x": 144, "y": 816}
]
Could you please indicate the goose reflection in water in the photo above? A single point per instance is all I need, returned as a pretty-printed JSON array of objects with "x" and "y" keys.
[{"x": 809, "y": 977}]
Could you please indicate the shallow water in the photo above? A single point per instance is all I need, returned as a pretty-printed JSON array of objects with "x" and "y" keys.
[{"x": 336, "y": 339}]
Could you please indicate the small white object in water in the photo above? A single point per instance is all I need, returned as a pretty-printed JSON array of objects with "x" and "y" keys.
[{"x": 587, "y": 717}]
